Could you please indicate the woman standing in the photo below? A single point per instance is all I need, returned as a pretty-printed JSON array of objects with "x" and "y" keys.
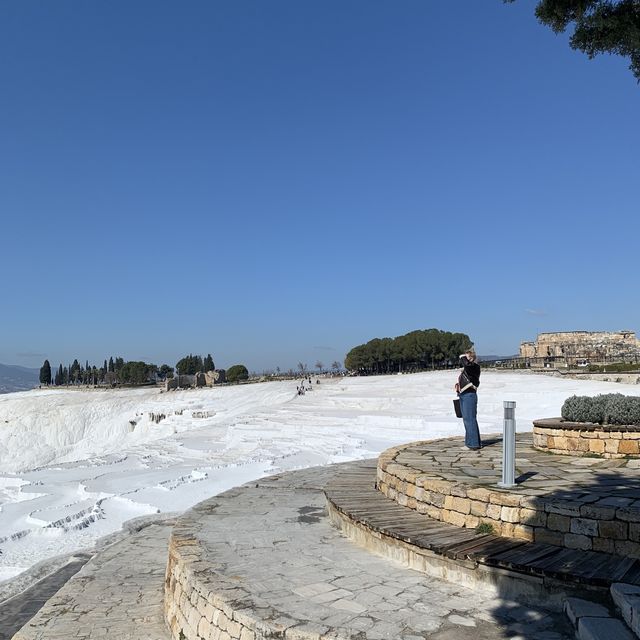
[{"x": 466, "y": 387}]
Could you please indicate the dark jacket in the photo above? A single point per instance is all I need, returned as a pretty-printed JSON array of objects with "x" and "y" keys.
[{"x": 469, "y": 379}]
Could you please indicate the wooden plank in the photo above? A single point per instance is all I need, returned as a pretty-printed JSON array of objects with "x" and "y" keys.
[
  {"x": 423, "y": 525},
  {"x": 411, "y": 529},
  {"x": 385, "y": 519},
  {"x": 560, "y": 563},
  {"x": 461, "y": 550},
  {"x": 590, "y": 567},
  {"x": 493, "y": 547},
  {"x": 443, "y": 541},
  {"x": 525, "y": 555},
  {"x": 594, "y": 566},
  {"x": 377, "y": 510},
  {"x": 632, "y": 574},
  {"x": 435, "y": 526},
  {"x": 622, "y": 568},
  {"x": 418, "y": 537},
  {"x": 408, "y": 533},
  {"x": 447, "y": 547}
]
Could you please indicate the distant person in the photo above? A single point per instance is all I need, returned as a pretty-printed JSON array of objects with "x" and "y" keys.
[{"x": 466, "y": 388}]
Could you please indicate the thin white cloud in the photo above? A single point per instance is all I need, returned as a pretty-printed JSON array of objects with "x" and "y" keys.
[{"x": 536, "y": 312}]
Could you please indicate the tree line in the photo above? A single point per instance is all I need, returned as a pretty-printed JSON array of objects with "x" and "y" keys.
[
  {"x": 117, "y": 371},
  {"x": 414, "y": 351},
  {"x": 190, "y": 365}
]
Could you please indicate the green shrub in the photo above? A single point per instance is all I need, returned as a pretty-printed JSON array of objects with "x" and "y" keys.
[
  {"x": 622, "y": 410},
  {"x": 608, "y": 408},
  {"x": 237, "y": 372},
  {"x": 583, "y": 409},
  {"x": 484, "y": 527}
]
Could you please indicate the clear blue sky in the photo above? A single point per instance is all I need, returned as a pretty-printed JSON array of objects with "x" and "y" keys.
[{"x": 275, "y": 182}]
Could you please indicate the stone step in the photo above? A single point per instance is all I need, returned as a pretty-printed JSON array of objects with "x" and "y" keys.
[
  {"x": 368, "y": 516},
  {"x": 594, "y": 621},
  {"x": 627, "y": 599},
  {"x": 117, "y": 594},
  {"x": 263, "y": 561}
]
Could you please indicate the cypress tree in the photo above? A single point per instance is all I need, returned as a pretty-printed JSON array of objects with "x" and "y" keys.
[
  {"x": 74, "y": 371},
  {"x": 45, "y": 373}
]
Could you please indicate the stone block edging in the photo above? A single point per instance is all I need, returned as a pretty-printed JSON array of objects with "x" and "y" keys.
[
  {"x": 201, "y": 604},
  {"x": 562, "y": 437},
  {"x": 546, "y": 519}
]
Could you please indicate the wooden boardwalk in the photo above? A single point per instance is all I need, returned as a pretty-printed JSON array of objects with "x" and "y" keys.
[{"x": 352, "y": 492}]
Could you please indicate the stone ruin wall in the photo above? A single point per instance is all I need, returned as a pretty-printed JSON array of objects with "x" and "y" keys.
[
  {"x": 588, "y": 345},
  {"x": 207, "y": 379}
]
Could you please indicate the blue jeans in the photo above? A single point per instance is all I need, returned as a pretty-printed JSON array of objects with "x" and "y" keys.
[{"x": 469, "y": 408}]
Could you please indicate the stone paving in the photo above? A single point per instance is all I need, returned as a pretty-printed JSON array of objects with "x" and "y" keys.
[
  {"x": 270, "y": 565},
  {"x": 586, "y": 503},
  {"x": 116, "y": 595},
  {"x": 537, "y": 471},
  {"x": 267, "y": 552}
]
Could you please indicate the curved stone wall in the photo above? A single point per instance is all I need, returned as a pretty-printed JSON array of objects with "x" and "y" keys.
[
  {"x": 450, "y": 501},
  {"x": 430, "y": 483},
  {"x": 555, "y": 435},
  {"x": 199, "y": 603}
]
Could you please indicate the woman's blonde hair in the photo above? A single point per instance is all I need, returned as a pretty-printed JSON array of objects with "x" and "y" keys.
[{"x": 471, "y": 353}]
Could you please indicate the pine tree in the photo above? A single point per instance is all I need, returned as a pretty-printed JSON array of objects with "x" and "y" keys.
[
  {"x": 208, "y": 363},
  {"x": 111, "y": 365}
]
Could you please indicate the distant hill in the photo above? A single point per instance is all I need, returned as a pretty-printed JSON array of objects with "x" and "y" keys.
[
  {"x": 14, "y": 378},
  {"x": 494, "y": 358}
]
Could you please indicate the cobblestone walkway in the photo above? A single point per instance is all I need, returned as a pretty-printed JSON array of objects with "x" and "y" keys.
[
  {"x": 273, "y": 541},
  {"x": 117, "y": 595},
  {"x": 272, "y": 546}
]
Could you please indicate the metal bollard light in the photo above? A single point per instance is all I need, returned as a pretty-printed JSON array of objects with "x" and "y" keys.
[{"x": 509, "y": 446}]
